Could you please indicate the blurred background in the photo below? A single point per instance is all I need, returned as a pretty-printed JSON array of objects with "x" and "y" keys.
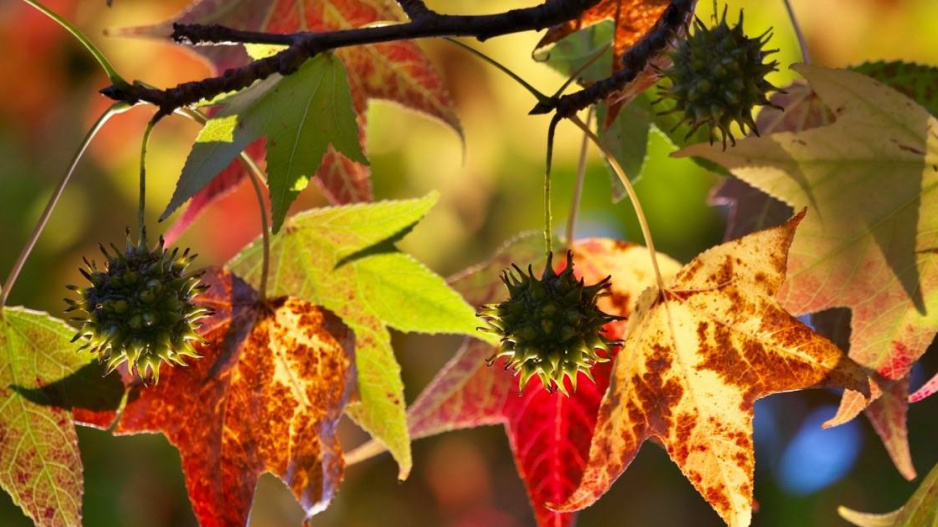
[{"x": 48, "y": 98}]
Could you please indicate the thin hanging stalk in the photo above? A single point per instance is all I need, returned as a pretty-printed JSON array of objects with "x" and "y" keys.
[
  {"x": 797, "y": 27},
  {"x": 254, "y": 175},
  {"x": 54, "y": 199},
  {"x": 580, "y": 178},
  {"x": 257, "y": 176},
  {"x": 636, "y": 204},
  {"x": 106, "y": 65},
  {"x": 142, "y": 204}
]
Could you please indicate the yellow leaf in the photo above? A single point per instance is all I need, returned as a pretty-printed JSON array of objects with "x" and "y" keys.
[{"x": 695, "y": 359}]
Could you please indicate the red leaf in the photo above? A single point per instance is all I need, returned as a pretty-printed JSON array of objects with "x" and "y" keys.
[
  {"x": 265, "y": 397},
  {"x": 549, "y": 434},
  {"x": 398, "y": 71}
]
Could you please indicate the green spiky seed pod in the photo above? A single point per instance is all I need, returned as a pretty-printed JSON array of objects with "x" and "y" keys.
[
  {"x": 139, "y": 309},
  {"x": 717, "y": 76},
  {"x": 549, "y": 327}
]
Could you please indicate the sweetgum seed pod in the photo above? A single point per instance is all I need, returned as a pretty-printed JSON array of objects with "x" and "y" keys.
[
  {"x": 140, "y": 309},
  {"x": 717, "y": 76},
  {"x": 549, "y": 326}
]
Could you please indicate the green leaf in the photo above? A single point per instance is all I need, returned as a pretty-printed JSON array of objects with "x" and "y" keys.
[
  {"x": 300, "y": 115},
  {"x": 920, "y": 511},
  {"x": 915, "y": 81},
  {"x": 627, "y": 139},
  {"x": 573, "y": 52},
  {"x": 370, "y": 293},
  {"x": 40, "y": 466}
]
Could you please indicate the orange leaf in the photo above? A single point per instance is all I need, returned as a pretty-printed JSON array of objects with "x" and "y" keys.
[
  {"x": 695, "y": 359},
  {"x": 265, "y": 397}
]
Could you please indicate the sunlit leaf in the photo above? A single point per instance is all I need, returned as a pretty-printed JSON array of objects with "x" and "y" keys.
[
  {"x": 396, "y": 71},
  {"x": 920, "y": 511},
  {"x": 869, "y": 240},
  {"x": 696, "y": 357},
  {"x": 327, "y": 256},
  {"x": 40, "y": 467},
  {"x": 300, "y": 116},
  {"x": 266, "y": 395}
]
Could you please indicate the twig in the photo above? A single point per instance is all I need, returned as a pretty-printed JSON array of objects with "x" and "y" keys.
[
  {"x": 54, "y": 199},
  {"x": 578, "y": 189},
  {"x": 303, "y": 45},
  {"x": 797, "y": 27},
  {"x": 415, "y": 8}
]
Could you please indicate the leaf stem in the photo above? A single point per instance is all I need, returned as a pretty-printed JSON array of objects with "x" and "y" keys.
[
  {"x": 797, "y": 27},
  {"x": 142, "y": 204},
  {"x": 636, "y": 204},
  {"x": 580, "y": 178},
  {"x": 548, "y": 220},
  {"x": 504, "y": 69},
  {"x": 54, "y": 199},
  {"x": 106, "y": 65},
  {"x": 256, "y": 176}
]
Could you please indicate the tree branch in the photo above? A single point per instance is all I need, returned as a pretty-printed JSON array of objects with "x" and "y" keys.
[
  {"x": 425, "y": 23},
  {"x": 415, "y": 8}
]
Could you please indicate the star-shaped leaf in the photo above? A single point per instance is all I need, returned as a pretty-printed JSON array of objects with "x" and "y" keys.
[
  {"x": 395, "y": 71},
  {"x": 549, "y": 433},
  {"x": 920, "y": 511},
  {"x": 40, "y": 467},
  {"x": 869, "y": 242},
  {"x": 696, "y": 357},
  {"x": 300, "y": 116},
  {"x": 266, "y": 396},
  {"x": 344, "y": 259}
]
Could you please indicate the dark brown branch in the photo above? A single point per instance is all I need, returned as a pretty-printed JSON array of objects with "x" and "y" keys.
[
  {"x": 304, "y": 45},
  {"x": 635, "y": 60},
  {"x": 425, "y": 23},
  {"x": 415, "y": 8}
]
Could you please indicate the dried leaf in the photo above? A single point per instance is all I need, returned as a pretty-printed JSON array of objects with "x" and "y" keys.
[
  {"x": 867, "y": 245},
  {"x": 695, "y": 359},
  {"x": 266, "y": 395}
]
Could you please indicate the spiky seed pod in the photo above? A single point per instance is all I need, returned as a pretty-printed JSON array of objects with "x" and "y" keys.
[
  {"x": 549, "y": 327},
  {"x": 139, "y": 309},
  {"x": 717, "y": 76}
]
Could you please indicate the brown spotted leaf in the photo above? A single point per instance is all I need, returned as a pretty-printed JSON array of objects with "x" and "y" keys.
[
  {"x": 266, "y": 395},
  {"x": 695, "y": 359},
  {"x": 868, "y": 244}
]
